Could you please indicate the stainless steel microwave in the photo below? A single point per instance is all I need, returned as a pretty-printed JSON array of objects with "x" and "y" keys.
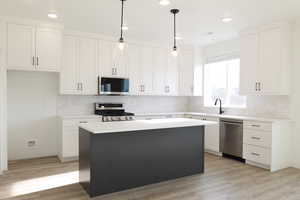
[{"x": 113, "y": 86}]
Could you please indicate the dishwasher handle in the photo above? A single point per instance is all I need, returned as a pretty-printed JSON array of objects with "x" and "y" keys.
[{"x": 232, "y": 123}]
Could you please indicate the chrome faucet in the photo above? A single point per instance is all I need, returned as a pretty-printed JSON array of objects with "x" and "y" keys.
[{"x": 216, "y": 102}]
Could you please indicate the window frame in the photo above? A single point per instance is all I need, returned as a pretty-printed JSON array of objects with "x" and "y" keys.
[{"x": 216, "y": 60}]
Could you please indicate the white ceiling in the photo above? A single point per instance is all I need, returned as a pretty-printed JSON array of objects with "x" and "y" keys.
[{"x": 149, "y": 21}]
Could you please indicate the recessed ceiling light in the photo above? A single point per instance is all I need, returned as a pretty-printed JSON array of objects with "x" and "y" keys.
[
  {"x": 52, "y": 15},
  {"x": 164, "y": 2},
  {"x": 226, "y": 19}
]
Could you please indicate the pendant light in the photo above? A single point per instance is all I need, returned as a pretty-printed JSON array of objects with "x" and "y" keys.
[
  {"x": 174, "y": 50},
  {"x": 121, "y": 40}
]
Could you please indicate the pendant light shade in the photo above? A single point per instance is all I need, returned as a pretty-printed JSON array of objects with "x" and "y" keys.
[
  {"x": 121, "y": 40},
  {"x": 175, "y": 49}
]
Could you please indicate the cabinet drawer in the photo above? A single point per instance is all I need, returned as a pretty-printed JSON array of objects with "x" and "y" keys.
[
  {"x": 214, "y": 119},
  {"x": 258, "y": 138},
  {"x": 257, "y": 154},
  {"x": 77, "y": 122},
  {"x": 261, "y": 126}
]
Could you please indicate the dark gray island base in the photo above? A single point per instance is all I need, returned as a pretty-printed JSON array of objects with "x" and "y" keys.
[{"x": 113, "y": 162}]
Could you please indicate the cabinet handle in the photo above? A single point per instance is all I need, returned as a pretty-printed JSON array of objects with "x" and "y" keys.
[
  {"x": 37, "y": 61},
  {"x": 255, "y": 125},
  {"x": 255, "y": 138},
  {"x": 33, "y": 61},
  {"x": 116, "y": 71},
  {"x": 255, "y": 154},
  {"x": 83, "y": 122},
  {"x": 256, "y": 86},
  {"x": 81, "y": 86},
  {"x": 259, "y": 86},
  {"x": 77, "y": 86}
]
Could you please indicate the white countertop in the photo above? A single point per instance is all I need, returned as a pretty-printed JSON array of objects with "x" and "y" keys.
[
  {"x": 127, "y": 126},
  {"x": 241, "y": 117}
]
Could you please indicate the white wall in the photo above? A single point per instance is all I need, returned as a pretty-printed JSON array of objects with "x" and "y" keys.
[
  {"x": 32, "y": 114},
  {"x": 3, "y": 143},
  {"x": 34, "y": 104},
  {"x": 296, "y": 95}
]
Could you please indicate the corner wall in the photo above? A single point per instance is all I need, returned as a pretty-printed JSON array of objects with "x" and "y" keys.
[
  {"x": 3, "y": 121},
  {"x": 295, "y": 106}
]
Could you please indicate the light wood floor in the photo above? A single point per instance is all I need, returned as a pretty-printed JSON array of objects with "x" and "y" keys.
[{"x": 223, "y": 180}]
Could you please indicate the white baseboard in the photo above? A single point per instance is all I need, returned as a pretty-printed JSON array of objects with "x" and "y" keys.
[
  {"x": 213, "y": 152},
  {"x": 68, "y": 159},
  {"x": 257, "y": 165}
]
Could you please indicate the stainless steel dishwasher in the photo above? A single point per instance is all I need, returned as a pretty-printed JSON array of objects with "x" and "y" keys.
[{"x": 231, "y": 137}]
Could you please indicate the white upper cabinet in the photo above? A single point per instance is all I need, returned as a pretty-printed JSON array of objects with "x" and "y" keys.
[
  {"x": 266, "y": 61},
  {"x": 88, "y": 66},
  {"x": 186, "y": 73},
  {"x": 48, "y": 49},
  {"x": 79, "y": 73},
  {"x": 113, "y": 61},
  {"x": 160, "y": 64},
  {"x": 146, "y": 70},
  {"x": 33, "y": 48},
  {"x": 20, "y": 48},
  {"x": 249, "y": 64},
  {"x": 133, "y": 69},
  {"x": 69, "y": 83},
  {"x": 172, "y": 76}
]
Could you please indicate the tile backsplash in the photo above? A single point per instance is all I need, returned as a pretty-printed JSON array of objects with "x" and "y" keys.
[
  {"x": 84, "y": 105},
  {"x": 261, "y": 106}
]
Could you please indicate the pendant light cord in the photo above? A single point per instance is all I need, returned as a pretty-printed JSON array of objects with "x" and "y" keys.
[
  {"x": 122, "y": 16},
  {"x": 174, "y": 30}
]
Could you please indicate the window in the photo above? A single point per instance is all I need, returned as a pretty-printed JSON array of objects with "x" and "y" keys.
[{"x": 221, "y": 80}]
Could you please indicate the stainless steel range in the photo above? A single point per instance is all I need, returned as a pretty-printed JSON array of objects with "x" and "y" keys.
[{"x": 113, "y": 112}]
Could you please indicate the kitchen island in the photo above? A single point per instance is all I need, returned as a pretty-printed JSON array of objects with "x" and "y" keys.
[{"x": 115, "y": 156}]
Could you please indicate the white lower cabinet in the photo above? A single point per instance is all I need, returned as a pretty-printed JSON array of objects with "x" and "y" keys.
[
  {"x": 257, "y": 154},
  {"x": 69, "y": 137},
  {"x": 267, "y": 145},
  {"x": 212, "y": 134}
]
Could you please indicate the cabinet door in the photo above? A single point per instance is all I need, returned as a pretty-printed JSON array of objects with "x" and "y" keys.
[
  {"x": 120, "y": 62},
  {"x": 133, "y": 69},
  {"x": 69, "y": 70},
  {"x": 20, "y": 47},
  {"x": 212, "y": 138},
  {"x": 160, "y": 64},
  {"x": 270, "y": 61},
  {"x": 186, "y": 73},
  {"x": 146, "y": 70},
  {"x": 106, "y": 67},
  {"x": 172, "y": 76},
  {"x": 48, "y": 49},
  {"x": 88, "y": 72},
  {"x": 249, "y": 64}
]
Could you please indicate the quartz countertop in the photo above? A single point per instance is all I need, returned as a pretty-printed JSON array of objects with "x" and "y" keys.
[
  {"x": 137, "y": 125},
  {"x": 224, "y": 116}
]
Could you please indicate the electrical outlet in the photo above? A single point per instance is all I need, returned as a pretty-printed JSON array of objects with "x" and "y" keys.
[{"x": 31, "y": 143}]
